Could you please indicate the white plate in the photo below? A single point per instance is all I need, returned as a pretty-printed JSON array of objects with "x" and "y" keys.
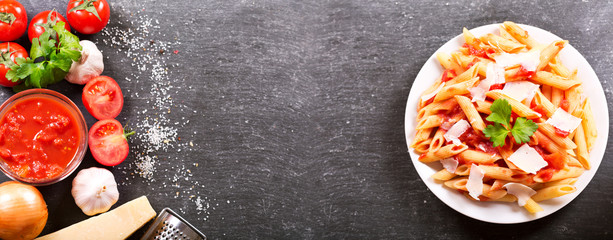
[{"x": 498, "y": 212}]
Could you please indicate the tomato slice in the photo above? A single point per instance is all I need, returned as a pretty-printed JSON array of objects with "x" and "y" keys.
[
  {"x": 107, "y": 142},
  {"x": 102, "y": 98}
]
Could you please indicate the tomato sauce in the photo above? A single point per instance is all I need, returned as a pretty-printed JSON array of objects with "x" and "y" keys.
[
  {"x": 497, "y": 86},
  {"x": 565, "y": 104},
  {"x": 38, "y": 138},
  {"x": 483, "y": 53},
  {"x": 561, "y": 132},
  {"x": 473, "y": 62},
  {"x": 555, "y": 163},
  {"x": 448, "y": 74},
  {"x": 523, "y": 72}
]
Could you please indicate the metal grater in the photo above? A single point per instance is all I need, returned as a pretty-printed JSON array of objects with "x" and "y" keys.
[{"x": 169, "y": 225}]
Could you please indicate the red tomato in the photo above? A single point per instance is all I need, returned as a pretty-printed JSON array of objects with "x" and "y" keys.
[
  {"x": 102, "y": 97},
  {"x": 8, "y": 52},
  {"x": 13, "y": 20},
  {"x": 88, "y": 16},
  {"x": 47, "y": 19},
  {"x": 108, "y": 143}
]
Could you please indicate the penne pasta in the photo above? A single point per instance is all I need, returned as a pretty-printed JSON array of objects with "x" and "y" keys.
[
  {"x": 442, "y": 153},
  {"x": 467, "y": 75},
  {"x": 550, "y": 132},
  {"x": 502, "y": 43},
  {"x": 503, "y": 173},
  {"x": 478, "y": 156},
  {"x": 455, "y": 89},
  {"x": 549, "y": 53},
  {"x": 503, "y": 33},
  {"x": 553, "y": 80},
  {"x": 518, "y": 108},
  {"x": 543, "y": 102},
  {"x": 429, "y": 122},
  {"x": 532, "y": 206},
  {"x": 581, "y": 151},
  {"x": 448, "y": 63},
  {"x": 483, "y": 107},
  {"x": 556, "y": 96},
  {"x": 471, "y": 112},
  {"x": 570, "y": 172},
  {"x": 438, "y": 140},
  {"x": 556, "y": 66},
  {"x": 567, "y": 181},
  {"x": 437, "y": 108},
  {"x": 589, "y": 125},
  {"x": 422, "y": 140},
  {"x": 553, "y": 192},
  {"x": 443, "y": 175},
  {"x": 463, "y": 170},
  {"x": 520, "y": 35}
]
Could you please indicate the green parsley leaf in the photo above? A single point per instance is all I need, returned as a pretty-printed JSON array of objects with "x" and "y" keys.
[
  {"x": 50, "y": 59},
  {"x": 501, "y": 116},
  {"x": 523, "y": 129},
  {"x": 501, "y": 112},
  {"x": 21, "y": 70},
  {"x": 497, "y": 133},
  {"x": 42, "y": 46},
  {"x": 68, "y": 42}
]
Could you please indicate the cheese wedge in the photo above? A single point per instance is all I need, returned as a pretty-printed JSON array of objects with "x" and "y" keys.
[{"x": 119, "y": 223}]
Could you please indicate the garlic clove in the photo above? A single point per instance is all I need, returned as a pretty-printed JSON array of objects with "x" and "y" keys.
[
  {"x": 95, "y": 190},
  {"x": 90, "y": 64}
]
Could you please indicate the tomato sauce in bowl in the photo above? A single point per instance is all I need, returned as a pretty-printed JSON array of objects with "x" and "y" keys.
[{"x": 43, "y": 137}]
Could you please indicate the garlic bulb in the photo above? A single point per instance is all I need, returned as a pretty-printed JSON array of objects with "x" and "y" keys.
[
  {"x": 89, "y": 66},
  {"x": 94, "y": 190}
]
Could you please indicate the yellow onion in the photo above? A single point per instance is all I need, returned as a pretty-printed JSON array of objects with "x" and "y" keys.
[{"x": 23, "y": 211}]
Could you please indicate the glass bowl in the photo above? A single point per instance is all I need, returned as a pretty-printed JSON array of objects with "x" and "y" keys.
[{"x": 72, "y": 109}]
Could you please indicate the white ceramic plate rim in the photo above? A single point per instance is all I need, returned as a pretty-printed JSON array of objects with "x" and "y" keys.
[{"x": 497, "y": 212}]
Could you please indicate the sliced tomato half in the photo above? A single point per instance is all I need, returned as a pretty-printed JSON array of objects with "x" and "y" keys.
[
  {"x": 102, "y": 98},
  {"x": 108, "y": 143}
]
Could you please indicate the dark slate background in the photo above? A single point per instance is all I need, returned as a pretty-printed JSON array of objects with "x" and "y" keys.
[{"x": 295, "y": 112}]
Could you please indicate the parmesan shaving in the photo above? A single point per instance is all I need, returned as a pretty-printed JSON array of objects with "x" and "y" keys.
[
  {"x": 527, "y": 159},
  {"x": 522, "y": 192},
  {"x": 564, "y": 121},
  {"x": 520, "y": 90},
  {"x": 456, "y": 131},
  {"x": 450, "y": 164},
  {"x": 475, "y": 181},
  {"x": 432, "y": 94},
  {"x": 529, "y": 60},
  {"x": 494, "y": 75}
]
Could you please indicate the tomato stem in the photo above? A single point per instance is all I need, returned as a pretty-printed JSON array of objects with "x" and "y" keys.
[
  {"x": 87, "y": 5},
  {"x": 8, "y": 18},
  {"x": 127, "y": 134},
  {"x": 5, "y": 56}
]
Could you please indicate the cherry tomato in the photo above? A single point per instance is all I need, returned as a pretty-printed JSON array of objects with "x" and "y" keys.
[
  {"x": 13, "y": 20},
  {"x": 44, "y": 20},
  {"x": 102, "y": 97},
  {"x": 88, "y": 16},
  {"x": 108, "y": 143},
  {"x": 9, "y": 51}
]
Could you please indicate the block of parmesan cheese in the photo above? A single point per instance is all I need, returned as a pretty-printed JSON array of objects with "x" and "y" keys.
[{"x": 119, "y": 223}]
